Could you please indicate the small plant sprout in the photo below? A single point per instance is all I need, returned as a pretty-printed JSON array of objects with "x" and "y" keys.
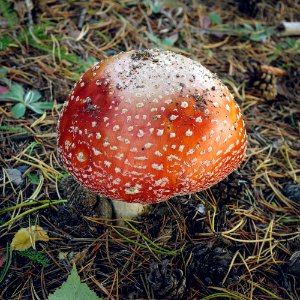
[{"x": 23, "y": 100}]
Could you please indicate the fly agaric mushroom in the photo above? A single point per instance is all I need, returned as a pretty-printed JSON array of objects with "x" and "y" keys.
[{"x": 143, "y": 126}]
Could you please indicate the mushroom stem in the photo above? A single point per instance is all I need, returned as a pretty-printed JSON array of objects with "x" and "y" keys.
[{"x": 125, "y": 210}]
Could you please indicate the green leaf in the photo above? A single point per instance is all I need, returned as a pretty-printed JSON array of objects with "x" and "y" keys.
[
  {"x": 154, "y": 38},
  {"x": 5, "y": 41},
  {"x": 156, "y": 7},
  {"x": 32, "y": 96},
  {"x": 262, "y": 35},
  {"x": 248, "y": 26},
  {"x": 18, "y": 90},
  {"x": 215, "y": 18},
  {"x": 18, "y": 110},
  {"x": 36, "y": 257},
  {"x": 8, "y": 13},
  {"x": 16, "y": 93},
  {"x": 171, "y": 40},
  {"x": 7, "y": 264},
  {"x": 40, "y": 107},
  {"x": 33, "y": 177},
  {"x": 73, "y": 289},
  {"x": 2, "y": 72},
  {"x": 6, "y": 81}
]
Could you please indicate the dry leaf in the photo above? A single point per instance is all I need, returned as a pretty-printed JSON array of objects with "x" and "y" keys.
[{"x": 26, "y": 237}]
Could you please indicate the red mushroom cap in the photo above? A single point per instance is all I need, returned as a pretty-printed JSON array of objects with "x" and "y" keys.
[{"x": 144, "y": 126}]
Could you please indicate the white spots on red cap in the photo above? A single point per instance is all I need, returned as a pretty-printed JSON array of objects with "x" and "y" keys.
[
  {"x": 194, "y": 161},
  {"x": 134, "y": 150},
  {"x": 140, "y": 104},
  {"x": 133, "y": 190},
  {"x": 229, "y": 148},
  {"x": 67, "y": 144},
  {"x": 96, "y": 151},
  {"x": 198, "y": 119},
  {"x": 159, "y": 132},
  {"x": 173, "y": 157},
  {"x": 189, "y": 132},
  {"x": 190, "y": 151},
  {"x": 119, "y": 156},
  {"x": 140, "y": 158},
  {"x": 227, "y": 107},
  {"x": 203, "y": 138},
  {"x": 173, "y": 117},
  {"x": 81, "y": 156},
  {"x": 157, "y": 167},
  {"x": 141, "y": 133},
  {"x": 184, "y": 104},
  {"x": 82, "y": 84},
  {"x": 180, "y": 153},
  {"x": 158, "y": 153},
  {"x": 161, "y": 182},
  {"x": 116, "y": 181}
]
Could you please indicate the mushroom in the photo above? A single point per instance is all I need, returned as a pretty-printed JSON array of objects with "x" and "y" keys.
[{"x": 143, "y": 126}]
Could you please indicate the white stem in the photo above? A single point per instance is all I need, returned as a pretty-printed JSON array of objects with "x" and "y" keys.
[
  {"x": 289, "y": 28},
  {"x": 124, "y": 210}
]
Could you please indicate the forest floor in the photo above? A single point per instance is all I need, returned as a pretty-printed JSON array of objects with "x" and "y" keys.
[{"x": 238, "y": 240}]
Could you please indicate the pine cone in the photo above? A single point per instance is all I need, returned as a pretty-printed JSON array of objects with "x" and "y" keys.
[
  {"x": 264, "y": 79},
  {"x": 267, "y": 85},
  {"x": 294, "y": 264},
  {"x": 230, "y": 188},
  {"x": 210, "y": 264},
  {"x": 166, "y": 282},
  {"x": 292, "y": 191}
]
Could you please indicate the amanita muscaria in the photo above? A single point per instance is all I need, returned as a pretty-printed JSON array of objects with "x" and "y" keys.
[{"x": 144, "y": 126}]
